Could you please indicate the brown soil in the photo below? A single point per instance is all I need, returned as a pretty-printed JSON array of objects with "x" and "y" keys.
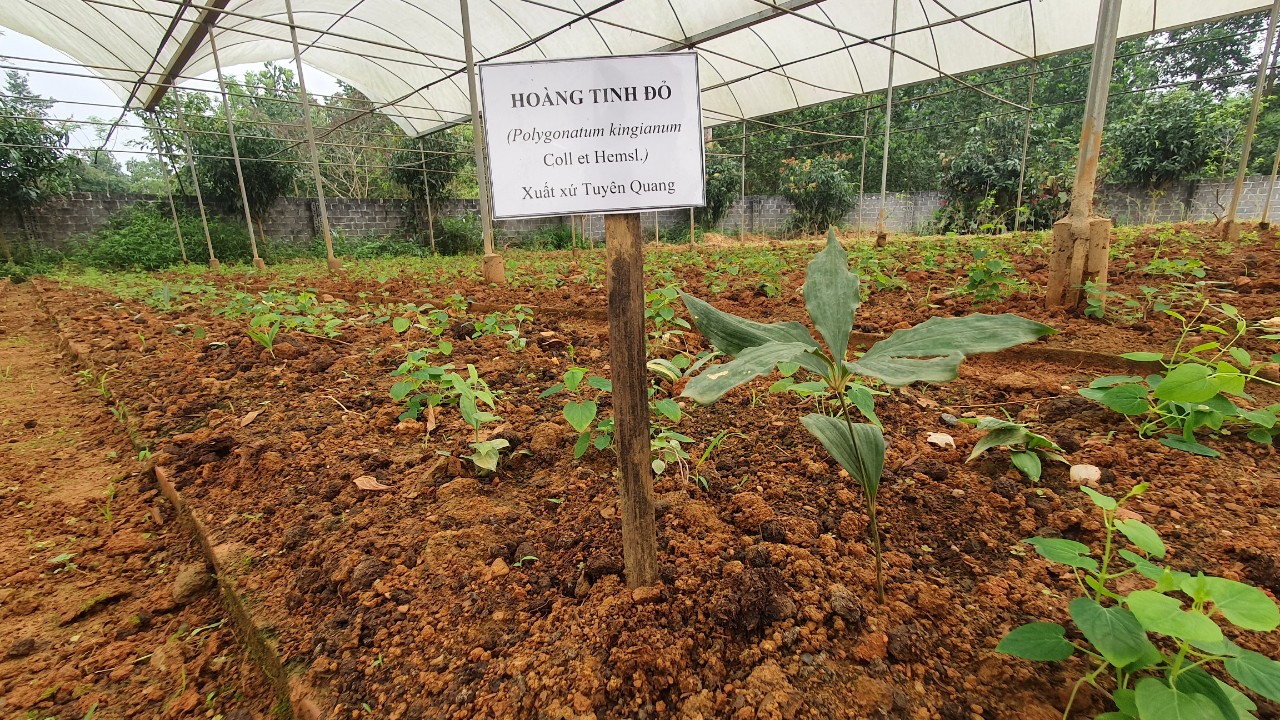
[
  {"x": 89, "y": 624},
  {"x": 457, "y": 596}
]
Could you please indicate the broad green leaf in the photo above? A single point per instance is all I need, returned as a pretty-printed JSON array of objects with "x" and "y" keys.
[
  {"x": 1037, "y": 641},
  {"x": 1243, "y": 605},
  {"x": 1257, "y": 672},
  {"x": 1188, "y": 382},
  {"x": 1243, "y": 705},
  {"x": 1028, "y": 463},
  {"x": 573, "y": 378},
  {"x": 1143, "y": 356},
  {"x": 1150, "y": 657},
  {"x": 1196, "y": 681},
  {"x": 1162, "y": 614},
  {"x": 1124, "y": 399},
  {"x": 1177, "y": 442},
  {"x": 1100, "y": 500},
  {"x": 402, "y": 389},
  {"x": 831, "y": 295},
  {"x": 1126, "y": 701},
  {"x": 581, "y": 447},
  {"x": 551, "y": 390},
  {"x": 1165, "y": 580},
  {"x": 1142, "y": 535},
  {"x": 668, "y": 408},
  {"x": 400, "y": 324},
  {"x": 863, "y": 398},
  {"x": 749, "y": 364},
  {"x": 602, "y": 441},
  {"x": 1064, "y": 552},
  {"x": 600, "y": 383},
  {"x": 731, "y": 334},
  {"x": 1262, "y": 417},
  {"x": 1114, "y": 716},
  {"x": 1000, "y": 433},
  {"x": 580, "y": 414},
  {"x": 932, "y": 351},
  {"x": 1114, "y": 631},
  {"x": 1161, "y": 702},
  {"x": 861, "y": 454},
  {"x": 1113, "y": 380}
]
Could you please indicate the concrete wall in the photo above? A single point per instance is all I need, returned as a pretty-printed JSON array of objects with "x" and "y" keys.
[{"x": 62, "y": 218}]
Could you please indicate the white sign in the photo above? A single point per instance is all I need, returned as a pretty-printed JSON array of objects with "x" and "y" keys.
[{"x": 591, "y": 135}]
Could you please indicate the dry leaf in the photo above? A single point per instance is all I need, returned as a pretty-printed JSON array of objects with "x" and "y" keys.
[
  {"x": 941, "y": 440},
  {"x": 250, "y": 417},
  {"x": 369, "y": 482}
]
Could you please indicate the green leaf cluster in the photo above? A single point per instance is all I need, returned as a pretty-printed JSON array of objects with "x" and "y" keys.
[
  {"x": 1025, "y": 447},
  {"x": 1150, "y": 680}
]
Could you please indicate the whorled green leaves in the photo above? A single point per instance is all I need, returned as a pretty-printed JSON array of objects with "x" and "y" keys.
[{"x": 858, "y": 447}]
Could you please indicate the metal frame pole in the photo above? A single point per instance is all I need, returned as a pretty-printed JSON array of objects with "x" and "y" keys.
[
  {"x": 334, "y": 264},
  {"x": 1231, "y": 228},
  {"x": 492, "y": 267},
  {"x": 882, "y": 235},
  {"x": 1026, "y": 138},
  {"x": 742, "y": 177},
  {"x": 235, "y": 151},
  {"x": 195, "y": 180}
]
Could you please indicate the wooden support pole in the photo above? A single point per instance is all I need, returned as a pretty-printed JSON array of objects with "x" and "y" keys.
[
  {"x": 693, "y": 239},
  {"x": 1074, "y": 239},
  {"x": 426, "y": 194},
  {"x": 1026, "y": 138},
  {"x": 625, "y": 251},
  {"x": 195, "y": 180},
  {"x": 1230, "y": 226},
  {"x": 1265, "y": 223},
  {"x": 334, "y": 264},
  {"x": 492, "y": 267},
  {"x": 235, "y": 152},
  {"x": 742, "y": 198},
  {"x": 862, "y": 170},
  {"x": 162, "y": 154}
]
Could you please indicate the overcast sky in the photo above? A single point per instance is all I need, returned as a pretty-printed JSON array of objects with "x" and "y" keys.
[{"x": 81, "y": 97}]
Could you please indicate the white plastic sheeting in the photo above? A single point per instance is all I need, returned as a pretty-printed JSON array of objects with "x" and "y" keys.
[{"x": 757, "y": 56}]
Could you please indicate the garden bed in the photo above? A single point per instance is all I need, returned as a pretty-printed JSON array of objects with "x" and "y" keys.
[{"x": 456, "y": 593}]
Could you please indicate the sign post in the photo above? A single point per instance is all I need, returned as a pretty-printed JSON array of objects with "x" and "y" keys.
[{"x": 613, "y": 135}]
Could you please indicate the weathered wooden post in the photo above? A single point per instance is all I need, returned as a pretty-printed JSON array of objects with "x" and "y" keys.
[
  {"x": 1231, "y": 226},
  {"x": 624, "y": 248},
  {"x": 1080, "y": 240}
]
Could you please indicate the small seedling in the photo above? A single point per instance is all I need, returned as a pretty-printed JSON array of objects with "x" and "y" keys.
[
  {"x": 263, "y": 330},
  {"x": 1026, "y": 449}
]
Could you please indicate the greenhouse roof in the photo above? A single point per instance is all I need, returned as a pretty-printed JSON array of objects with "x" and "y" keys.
[{"x": 757, "y": 56}]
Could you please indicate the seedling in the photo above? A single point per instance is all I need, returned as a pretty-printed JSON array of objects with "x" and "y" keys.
[
  {"x": 930, "y": 352},
  {"x": 104, "y": 508},
  {"x": 263, "y": 330},
  {"x": 1196, "y": 390},
  {"x": 1026, "y": 449},
  {"x": 582, "y": 410},
  {"x": 1152, "y": 680}
]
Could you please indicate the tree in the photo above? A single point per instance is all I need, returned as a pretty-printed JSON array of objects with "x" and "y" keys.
[
  {"x": 440, "y": 155},
  {"x": 34, "y": 154},
  {"x": 1165, "y": 140},
  {"x": 267, "y": 162},
  {"x": 357, "y": 146}
]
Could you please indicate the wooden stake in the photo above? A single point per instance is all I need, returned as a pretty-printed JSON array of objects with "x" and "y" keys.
[{"x": 625, "y": 251}]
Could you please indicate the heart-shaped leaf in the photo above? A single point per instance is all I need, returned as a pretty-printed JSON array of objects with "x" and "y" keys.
[
  {"x": 580, "y": 414},
  {"x": 1037, "y": 641},
  {"x": 1243, "y": 605},
  {"x": 1064, "y": 552},
  {"x": 1157, "y": 700},
  {"x": 1114, "y": 631},
  {"x": 1162, "y": 614}
]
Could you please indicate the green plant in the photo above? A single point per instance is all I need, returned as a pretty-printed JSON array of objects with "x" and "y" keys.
[
  {"x": 931, "y": 351},
  {"x": 667, "y": 447},
  {"x": 723, "y": 184},
  {"x": 1196, "y": 390},
  {"x": 1152, "y": 680},
  {"x": 488, "y": 453},
  {"x": 263, "y": 330},
  {"x": 819, "y": 190},
  {"x": 581, "y": 411},
  {"x": 423, "y": 385},
  {"x": 104, "y": 508},
  {"x": 1026, "y": 449},
  {"x": 990, "y": 278},
  {"x": 660, "y": 314}
]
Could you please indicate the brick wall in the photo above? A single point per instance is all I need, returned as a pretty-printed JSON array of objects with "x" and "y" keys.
[{"x": 59, "y": 220}]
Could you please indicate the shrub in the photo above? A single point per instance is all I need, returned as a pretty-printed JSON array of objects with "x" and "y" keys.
[
  {"x": 819, "y": 190},
  {"x": 459, "y": 235},
  {"x": 142, "y": 237},
  {"x": 552, "y": 237},
  {"x": 723, "y": 186}
]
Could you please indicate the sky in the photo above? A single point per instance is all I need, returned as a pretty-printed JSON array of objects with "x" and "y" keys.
[{"x": 81, "y": 97}]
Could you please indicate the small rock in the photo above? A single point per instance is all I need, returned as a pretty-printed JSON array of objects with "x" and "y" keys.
[
  {"x": 949, "y": 419},
  {"x": 1085, "y": 473},
  {"x": 499, "y": 568},
  {"x": 409, "y": 426},
  {"x": 190, "y": 582},
  {"x": 643, "y": 595},
  {"x": 21, "y": 648},
  {"x": 126, "y": 542}
]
